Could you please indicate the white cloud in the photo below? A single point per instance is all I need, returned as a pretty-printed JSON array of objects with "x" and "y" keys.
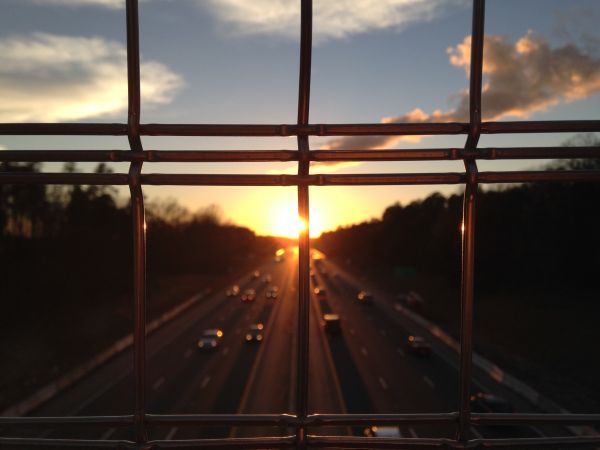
[
  {"x": 113, "y": 4},
  {"x": 317, "y": 168},
  {"x": 520, "y": 79},
  {"x": 332, "y": 18},
  {"x": 50, "y": 78}
]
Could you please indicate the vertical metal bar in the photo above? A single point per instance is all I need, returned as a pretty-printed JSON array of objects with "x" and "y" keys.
[
  {"x": 138, "y": 222},
  {"x": 468, "y": 224},
  {"x": 303, "y": 212}
]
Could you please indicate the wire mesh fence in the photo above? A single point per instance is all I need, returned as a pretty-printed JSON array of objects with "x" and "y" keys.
[{"x": 140, "y": 420}]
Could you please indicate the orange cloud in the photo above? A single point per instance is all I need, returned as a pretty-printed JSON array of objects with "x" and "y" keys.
[{"x": 520, "y": 79}]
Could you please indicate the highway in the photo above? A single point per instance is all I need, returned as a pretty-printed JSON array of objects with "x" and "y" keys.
[{"x": 367, "y": 368}]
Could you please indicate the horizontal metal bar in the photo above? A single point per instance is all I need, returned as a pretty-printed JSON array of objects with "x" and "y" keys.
[
  {"x": 560, "y": 419},
  {"x": 437, "y": 443},
  {"x": 62, "y": 443},
  {"x": 364, "y": 129},
  {"x": 295, "y": 180},
  {"x": 292, "y": 155},
  {"x": 109, "y": 421},
  {"x": 546, "y": 126},
  {"x": 380, "y": 419},
  {"x": 222, "y": 419},
  {"x": 538, "y": 176},
  {"x": 226, "y": 443}
]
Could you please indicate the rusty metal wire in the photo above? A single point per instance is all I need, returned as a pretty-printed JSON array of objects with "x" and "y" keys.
[{"x": 140, "y": 420}]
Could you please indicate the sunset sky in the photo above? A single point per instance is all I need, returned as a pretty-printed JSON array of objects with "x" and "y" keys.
[{"x": 236, "y": 61}]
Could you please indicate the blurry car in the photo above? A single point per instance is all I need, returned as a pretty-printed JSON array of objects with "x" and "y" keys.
[
  {"x": 419, "y": 346},
  {"x": 249, "y": 295},
  {"x": 320, "y": 293},
  {"x": 385, "y": 431},
  {"x": 365, "y": 298},
  {"x": 266, "y": 279},
  {"x": 255, "y": 333},
  {"x": 233, "y": 291},
  {"x": 482, "y": 402},
  {"x": 272, "y": 293},
  {"x": 255, "y": 275},
  {"x": 331, "y": 323},
  {"x": 210, "y": 339},
  {"x": 208, "y": 343}
]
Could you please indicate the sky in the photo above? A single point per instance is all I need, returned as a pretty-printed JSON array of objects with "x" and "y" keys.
[{"x": 236, "y": 61}]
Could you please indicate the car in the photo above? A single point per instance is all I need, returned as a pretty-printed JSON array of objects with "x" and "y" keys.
[
  {"x": 233, "y": 291},
  {"x": 266, "y": 279},
  {"x": 207, "y": 343},
  {"x": 255, "y": 275},
  {"x": 419, "y": 346},
  {"x": 215, "y": 333},
  {"x": 320, "y": 293},
  {"x": 365, "y": 298},
  {"x": 272, "y": 293},
  {"x": 210, "y": 339},
  {"x": 385, "y": 431},
  {"x": 331, "y": 323},
  {"x": 482, "y": 402},
  {"x": 255, "y": 333},
  {"x": 249, "y": 295}
]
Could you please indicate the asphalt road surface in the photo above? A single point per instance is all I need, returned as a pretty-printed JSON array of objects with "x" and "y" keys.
[{"x": 367, "y": 368}]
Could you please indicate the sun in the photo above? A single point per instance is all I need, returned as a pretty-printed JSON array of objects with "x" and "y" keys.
[{"x": 287, "y": 223}]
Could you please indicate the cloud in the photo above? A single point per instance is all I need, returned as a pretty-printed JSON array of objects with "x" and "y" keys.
[
  {"x": 332, "y": 19},
  {"x": 49, "y": 78},
  {"x": 113, "y": 4},
  {"x": 520, "y": 79}
]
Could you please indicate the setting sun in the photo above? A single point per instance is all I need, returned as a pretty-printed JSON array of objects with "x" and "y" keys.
[{"x": 287, "y": 223}]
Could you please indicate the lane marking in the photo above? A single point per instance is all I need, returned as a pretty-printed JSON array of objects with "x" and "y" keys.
[
  {"x": 382, "y": 383},
  {"x": 187, "y": 353},
  {"x": 476, "y": 433},
  {"x": 205, "y": 382},
  {"x": 412, "y": 432},
  {"x": 429, "y": 381},
  {"x": 158, "y": 383},
  {"x": 107, "y": 434},
  {"x": 171, "y": 434},
  {"x": 364, "y": 351},
  {"x": 225, "y": 351},
  {"x": 400, "y": 351}
]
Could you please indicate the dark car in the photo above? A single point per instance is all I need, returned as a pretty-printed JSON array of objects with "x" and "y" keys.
[
  {"x": 482, "y": 402},
  {"x": 365, "y": 298},
  {"x": 210, "y": 339},
  {"x": 255, "y": 333},
  {"x": 255, "y": 275},
  {"x": 419, "y": 346},
  {"x": 233, "y": 291},
  {"x": 272, "y": 293},
  {"x": 331, "y": 323},
  {"x": 249, "y": 295},
  {"x": 320, "y": 293}
]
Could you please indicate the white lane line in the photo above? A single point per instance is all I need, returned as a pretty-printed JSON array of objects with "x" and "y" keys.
[
  {"x": 171, "y": 434},
  {"x": 205, "y": 382},
  {"x": 476, "y": 433},
  {"x": 364, "y": 351},
  {"x": 225, "y": 351},
  {"x": 187, "y": 353},
  {"x": 412, "y": 432},
  {"x": 400, "y": 351},
  {"x": 382, "y": 383},
  {"x": 158, "y": 383},
  {"x": 429, "y": 382},
  {"x": 107, "y": 434}
]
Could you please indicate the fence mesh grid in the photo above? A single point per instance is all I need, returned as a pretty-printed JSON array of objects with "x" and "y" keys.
[{"x": 140, "y": 420}]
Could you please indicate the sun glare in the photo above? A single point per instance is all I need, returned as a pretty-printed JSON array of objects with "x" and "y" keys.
[{"x": 287, "y": 223}]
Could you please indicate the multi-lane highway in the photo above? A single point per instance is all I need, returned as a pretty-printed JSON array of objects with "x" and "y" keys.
[{"x": 366, "y": 368}]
